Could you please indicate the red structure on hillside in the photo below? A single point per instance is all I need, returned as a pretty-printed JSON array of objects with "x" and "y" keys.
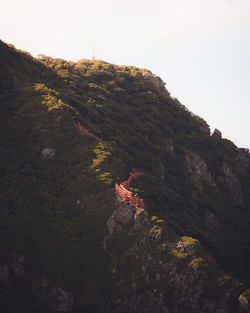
[
  {"x": 84, "y": 130},
  {"x": 123, "y": 193},
  {"x": 120, "y": 189}
]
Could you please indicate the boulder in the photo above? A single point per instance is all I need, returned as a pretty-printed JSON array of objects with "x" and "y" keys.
[
  {"x": 48, "y": 153},
  {"x": 140, "y": 219},
  {"x": 243, "y": 302},
  {"x": 217, "y": 133}
]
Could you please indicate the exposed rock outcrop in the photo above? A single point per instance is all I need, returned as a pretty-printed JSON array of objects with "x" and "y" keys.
[
  {"x": 121, "y": 216},
  {"x": 48, "y": 153},
  {"x": 198, "y": 167},
  {"x": 187, "y": 245},
  {"x": 140, "y": 220},
  {"x": 15, "y": 269},
  {"x": 210, "y": 220},
  {"x": 169, "y": 145},
  {"x": 52, "y": 297},
  {"x": 233, "y": 184},
  {"x": 166, "y": 285},
  {"x": 157, "y": 83},
  {"x": 204, "y": 128},
  {"x": 46, "y": 295},
  {"x": 243, "y": 161},
  {"x": 243, "y": 302},
  {"x": 217, "y": 133},
  {"x": 243, "y": 150}
]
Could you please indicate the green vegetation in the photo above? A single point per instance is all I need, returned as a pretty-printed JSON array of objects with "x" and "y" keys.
[{"x": 54, "y": 208}]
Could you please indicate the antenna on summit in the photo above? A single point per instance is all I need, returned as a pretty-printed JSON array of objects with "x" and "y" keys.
[{"x": 93, "y": 53}]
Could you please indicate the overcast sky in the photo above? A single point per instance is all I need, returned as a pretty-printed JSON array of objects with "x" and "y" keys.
[{"x": 200, "y": 48}]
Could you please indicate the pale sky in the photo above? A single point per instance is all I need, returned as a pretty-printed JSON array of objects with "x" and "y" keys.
[{"x": 200, "y": 48}]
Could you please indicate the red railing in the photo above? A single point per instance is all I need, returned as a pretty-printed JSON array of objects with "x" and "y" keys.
[
  {"x": 120, "y": 190},
  {"x": 124, "y": 194},
  {"x": 85, "y": 131}
]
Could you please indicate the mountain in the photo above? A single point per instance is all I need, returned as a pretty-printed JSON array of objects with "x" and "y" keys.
[{"x": 172, "y": 237}]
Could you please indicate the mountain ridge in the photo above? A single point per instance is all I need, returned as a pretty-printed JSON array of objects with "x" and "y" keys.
[{"x": 59, "y": 206}]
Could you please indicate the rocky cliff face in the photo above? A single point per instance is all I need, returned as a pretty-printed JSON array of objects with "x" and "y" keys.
[
  {"x": 198, "y": 167},
  {"x": 39, "y": 290},
  {"x": 233, "y": 185},
  {"x": 163, "y": 273}
]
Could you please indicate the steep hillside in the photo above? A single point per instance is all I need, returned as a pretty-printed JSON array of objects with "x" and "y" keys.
[{"x": 68, "y": 243}]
